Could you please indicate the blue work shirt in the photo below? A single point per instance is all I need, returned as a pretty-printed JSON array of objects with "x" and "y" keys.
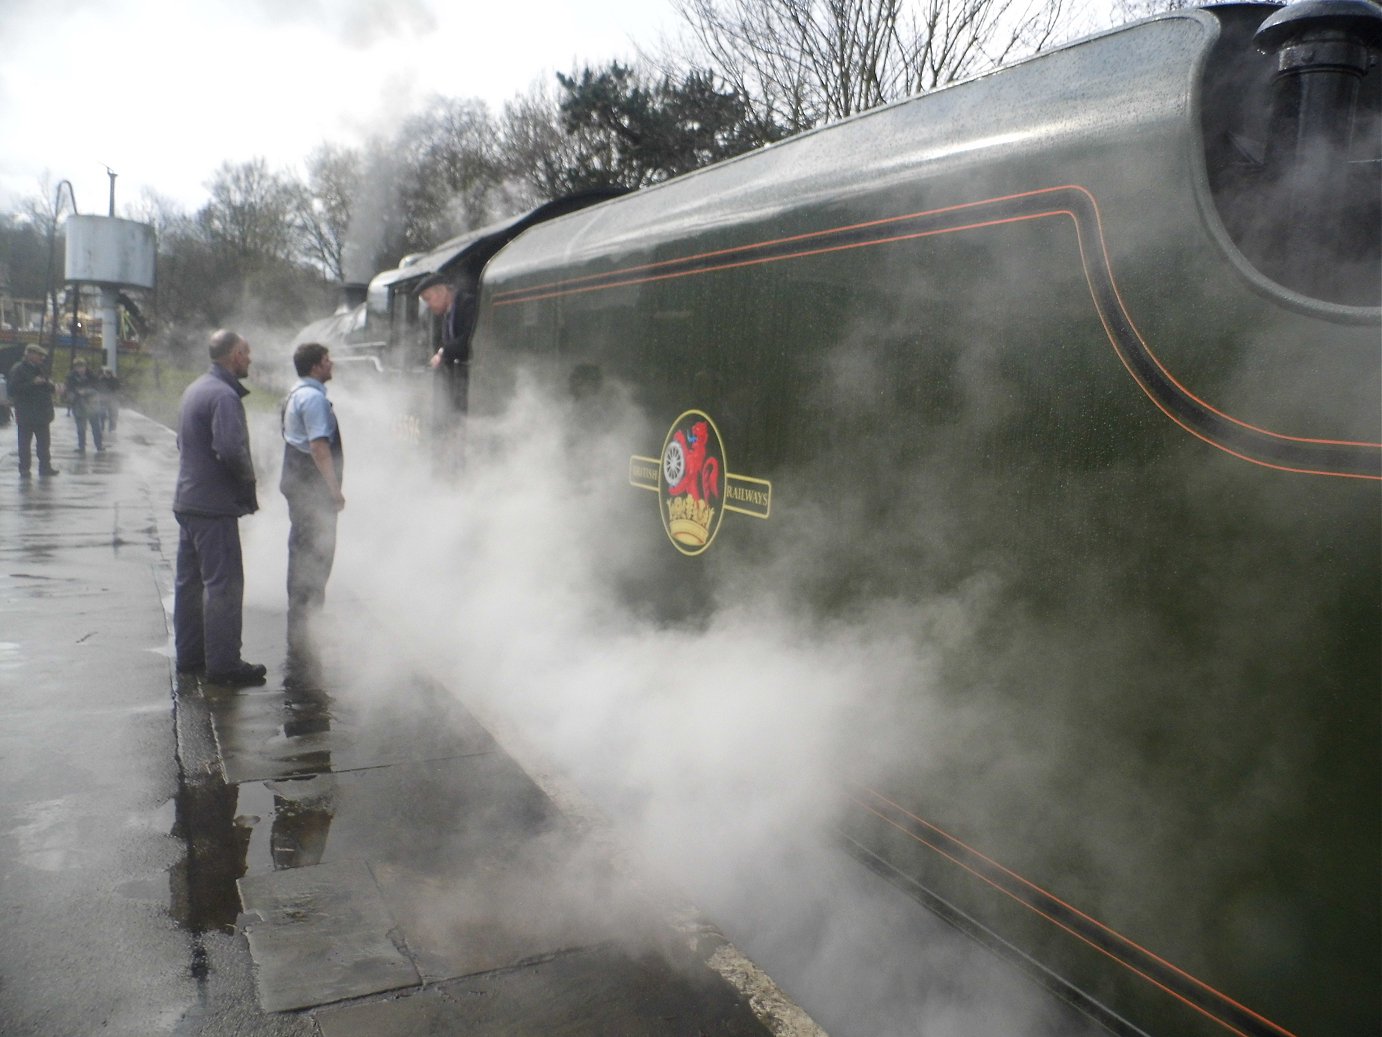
[{"x": 307, "y": 415}]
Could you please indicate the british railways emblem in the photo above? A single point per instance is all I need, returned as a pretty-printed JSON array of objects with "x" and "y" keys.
[{"x": 694, "y": 485}]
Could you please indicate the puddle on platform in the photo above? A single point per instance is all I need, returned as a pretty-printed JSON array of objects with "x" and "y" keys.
[
  {"x": 292, "y": 821},
  {"x": 215, "y": 841},
  {"x": 233, "y": 828}
]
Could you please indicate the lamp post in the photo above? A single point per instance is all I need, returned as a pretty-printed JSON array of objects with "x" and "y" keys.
[
  {"x": 110, "y": 318},
  {"x": 52, "y": 249}
]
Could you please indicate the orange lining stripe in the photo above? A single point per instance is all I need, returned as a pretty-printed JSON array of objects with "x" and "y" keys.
[
  {"x": 557, "y": 290},
  {"x": 1074, "y": 910},
  {"x": 1108, "y": 264},
  {"x": 844, "y": 229},
  {"x": 623, "y": 277},
  {"x": 1112, "y": 337}
]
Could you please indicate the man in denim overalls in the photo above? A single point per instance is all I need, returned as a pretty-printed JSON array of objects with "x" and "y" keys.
[{"x": 313, "y": 463}]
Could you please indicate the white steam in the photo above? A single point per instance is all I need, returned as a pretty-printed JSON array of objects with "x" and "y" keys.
[{"x": 717, "y": 747}]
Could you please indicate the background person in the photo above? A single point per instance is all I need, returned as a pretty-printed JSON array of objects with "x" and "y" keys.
[
  {"x": 31, "y": 397},
  {"x": 216, "y": 485},
  {"x": 82, "y": 393},
  {"x": 109, "y": 396},
  {"x": 313, "y": 465}
]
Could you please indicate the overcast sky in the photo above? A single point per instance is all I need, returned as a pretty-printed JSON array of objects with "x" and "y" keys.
[{"x": 164, "y": 91}]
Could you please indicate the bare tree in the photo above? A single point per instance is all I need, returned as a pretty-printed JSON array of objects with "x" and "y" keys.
[
  {"x": 246, "y": 255},
  {"x": 1133, "y": 10},
  {"x": 250, "y": 214},
  {"x": 158, "y": 211},
  {"x": 535, "y": 151},
  {"x": 450, "y": 167},
  {"x": 44, "y": 208},
  {"x": 44, "y": 211},
  {"x": 804, "y": 62},
  {"x": 324, "y": 208}
]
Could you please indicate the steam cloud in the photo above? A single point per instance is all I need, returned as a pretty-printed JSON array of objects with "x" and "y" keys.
[{"x": 716, "y": 746}]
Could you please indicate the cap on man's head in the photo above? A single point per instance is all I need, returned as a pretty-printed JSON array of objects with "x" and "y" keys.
[
  {"x": 79, "y": 362},
  {"x": 434, "y": 281},
  {"x": 34, "y": 348}
]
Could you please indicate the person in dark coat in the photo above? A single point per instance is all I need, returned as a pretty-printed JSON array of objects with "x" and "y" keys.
[
  {"x": 31, "y": 396},
  {"x": 216, "y": 485},
  {"x": 456, "y": 306},
  {"x": 313, "y": 466},
  {"x": 82, "y": 392}
]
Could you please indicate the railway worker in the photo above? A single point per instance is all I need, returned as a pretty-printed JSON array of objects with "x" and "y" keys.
[
  {"x": 443, "y": 299},
  {"x": 216, "y": 485},
  {"x": 456, "y": 307},
  {"x": 31, "y": 396},
  {"x": 313, "y": 465}
]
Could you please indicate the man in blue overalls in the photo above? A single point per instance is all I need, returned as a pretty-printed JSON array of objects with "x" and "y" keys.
[
  {"x": 313, "y": 463},
  {"x": 216, "y": 485}
]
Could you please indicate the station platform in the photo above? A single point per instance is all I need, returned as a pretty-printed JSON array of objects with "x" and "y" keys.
[{"x": 344, "y": 851}]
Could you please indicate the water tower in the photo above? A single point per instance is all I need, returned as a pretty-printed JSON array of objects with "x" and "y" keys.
[{"x": 112, "y": 254}]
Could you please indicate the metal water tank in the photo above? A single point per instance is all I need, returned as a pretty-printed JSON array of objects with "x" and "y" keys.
[{"x": 106, "y": 250}]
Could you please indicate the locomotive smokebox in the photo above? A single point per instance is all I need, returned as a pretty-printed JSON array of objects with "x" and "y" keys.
[{"x": 1324, "y": 48}]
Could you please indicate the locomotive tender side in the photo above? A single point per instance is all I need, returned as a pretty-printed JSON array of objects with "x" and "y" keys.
[{"x": 1008, "y": 349}]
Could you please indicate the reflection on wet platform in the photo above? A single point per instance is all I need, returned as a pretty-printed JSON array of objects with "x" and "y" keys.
[
  {"x": 264, "y": 733},
  {"x": 379, "y": 839}
]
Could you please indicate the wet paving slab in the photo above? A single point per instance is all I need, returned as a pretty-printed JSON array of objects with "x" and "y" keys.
[
  {"x": 601, "y": 990},
  {"x": 461, "y": 861},
  {"x": 438, "y": 814},
  {"x": 279, "y": 732},
  {"x": 506, "y": 907},
  {"x": 322, "y": 934}
]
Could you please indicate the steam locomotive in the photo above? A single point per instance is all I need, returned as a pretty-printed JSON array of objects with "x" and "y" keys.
[{"x": 1090, "y": 348}]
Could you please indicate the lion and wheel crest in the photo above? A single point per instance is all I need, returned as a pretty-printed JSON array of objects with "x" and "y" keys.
[
  {"x": 694, "y": 485},
  {"x": 690, "y": 482}
]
